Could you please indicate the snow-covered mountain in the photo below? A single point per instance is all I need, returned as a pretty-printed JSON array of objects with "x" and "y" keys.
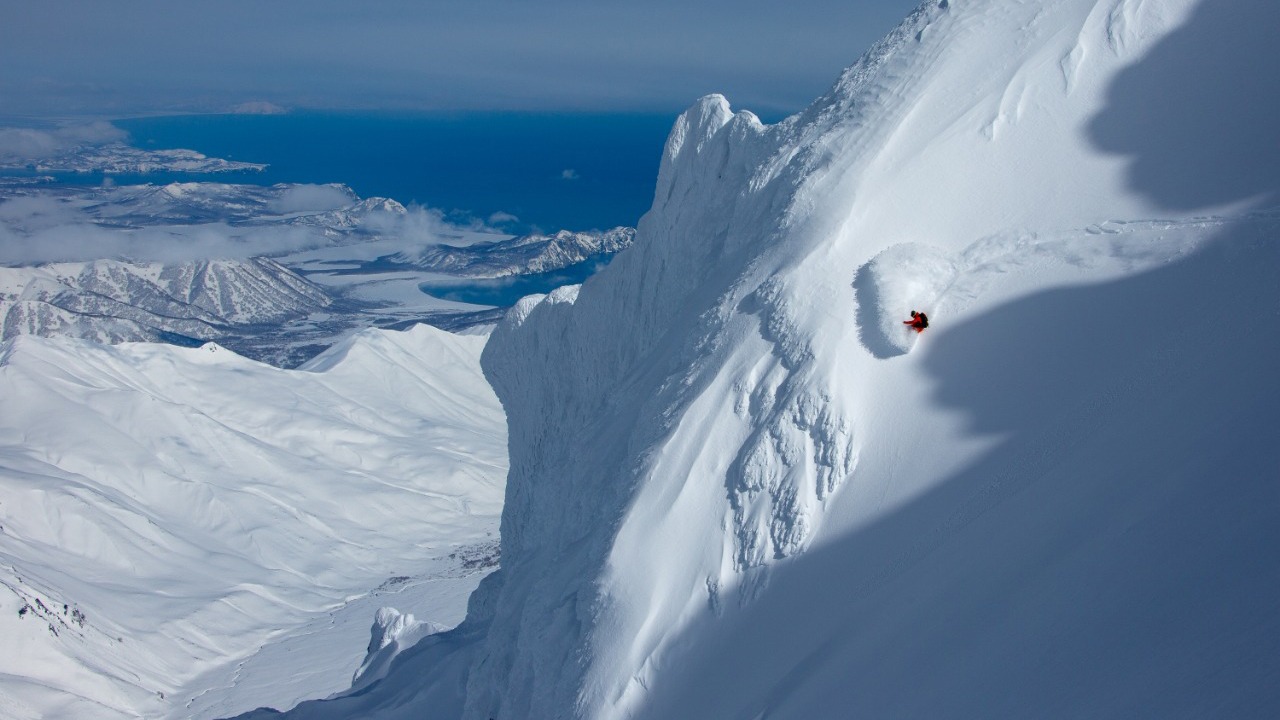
[
  {"x": 740, "y": 487},
  {"x": 188, "y": 533},
  {"x": 522, "y": 255},
  {"x": 110, "y": 301}
]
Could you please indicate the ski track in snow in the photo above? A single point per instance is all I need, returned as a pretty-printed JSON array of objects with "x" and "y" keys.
[{"x": 909, "y": 277}]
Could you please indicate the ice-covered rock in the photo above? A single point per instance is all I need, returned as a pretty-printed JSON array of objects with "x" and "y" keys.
[{"x": 392, "y": 633}]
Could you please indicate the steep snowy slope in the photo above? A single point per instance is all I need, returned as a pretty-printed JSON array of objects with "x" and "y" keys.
[
  {"x": 169, "y": 517},
  {"x": 740, "y": 488}
]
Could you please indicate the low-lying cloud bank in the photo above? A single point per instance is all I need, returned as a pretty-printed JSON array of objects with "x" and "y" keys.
[
  {"x": 193, "y": 221},
  {"x": 22, "y": 145}
]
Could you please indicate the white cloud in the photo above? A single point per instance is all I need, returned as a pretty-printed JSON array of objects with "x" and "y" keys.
[
  {"x": 502, "y": 218},
  {"x": 569, "y": 174},
  {"x": 129, "y": 223},
  {"x": 258, "y": 107},
  {"x": 312, "y": 198},
  {"x": 26, "y": 144},
  {"x": 42, "y": 230}
]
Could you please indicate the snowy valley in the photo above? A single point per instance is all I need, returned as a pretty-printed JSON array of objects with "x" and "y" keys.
[
  {"x": 182, "y": 526},
  {"x": 732, "y": 483}
]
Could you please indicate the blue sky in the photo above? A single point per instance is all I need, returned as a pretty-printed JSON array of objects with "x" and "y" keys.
[{"x": 84, "y": 57}]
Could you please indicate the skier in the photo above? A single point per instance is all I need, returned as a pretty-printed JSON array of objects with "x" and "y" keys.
[{"x": 919, "y": 321}]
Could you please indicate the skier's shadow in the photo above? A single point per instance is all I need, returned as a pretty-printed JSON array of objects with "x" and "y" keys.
[{"x": 1204, "y": 103}]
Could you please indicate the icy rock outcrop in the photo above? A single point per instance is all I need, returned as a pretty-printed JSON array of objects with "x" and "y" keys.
[
  {"x": 391, "y": 633},
  {"x": 602, "y": 391}
]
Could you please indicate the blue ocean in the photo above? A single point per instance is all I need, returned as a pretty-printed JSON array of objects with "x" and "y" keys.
[
  {"x": 542, "y": 172},
  {"x": 551, "y": 171}
]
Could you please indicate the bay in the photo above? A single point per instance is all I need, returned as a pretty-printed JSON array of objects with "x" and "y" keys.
[{"x": 550, "y": 171}]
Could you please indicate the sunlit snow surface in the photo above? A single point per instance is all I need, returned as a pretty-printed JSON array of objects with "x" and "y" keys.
[
  {"x": 740, "y": 488},
  {"x": 188, "y": 533}
]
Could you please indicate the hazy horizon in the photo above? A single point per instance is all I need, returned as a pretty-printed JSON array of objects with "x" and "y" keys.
[{"x": 72, "y": 58}]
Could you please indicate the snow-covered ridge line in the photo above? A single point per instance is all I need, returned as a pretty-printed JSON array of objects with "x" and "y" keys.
[{"x": 100, "y": 147}]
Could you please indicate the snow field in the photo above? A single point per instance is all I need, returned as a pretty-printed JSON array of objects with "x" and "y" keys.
[{"x": 196, "y": 506}]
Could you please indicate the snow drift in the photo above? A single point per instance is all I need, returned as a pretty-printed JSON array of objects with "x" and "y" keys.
[{"x": 739, "y": 487}]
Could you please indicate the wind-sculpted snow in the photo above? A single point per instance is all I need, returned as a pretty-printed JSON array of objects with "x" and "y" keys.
[
  {"x": 171, "y": 516},
  {"x": 392, "y": 633},
  {"x": 741, "y": 487}
]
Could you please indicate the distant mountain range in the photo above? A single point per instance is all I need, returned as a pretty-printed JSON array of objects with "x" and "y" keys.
[
  {"x": 122, "y": 158},
  {"x": 112, "y": 301},
  {"x": 274, "y": 310},
  {"x": 523, "y": 255}
]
